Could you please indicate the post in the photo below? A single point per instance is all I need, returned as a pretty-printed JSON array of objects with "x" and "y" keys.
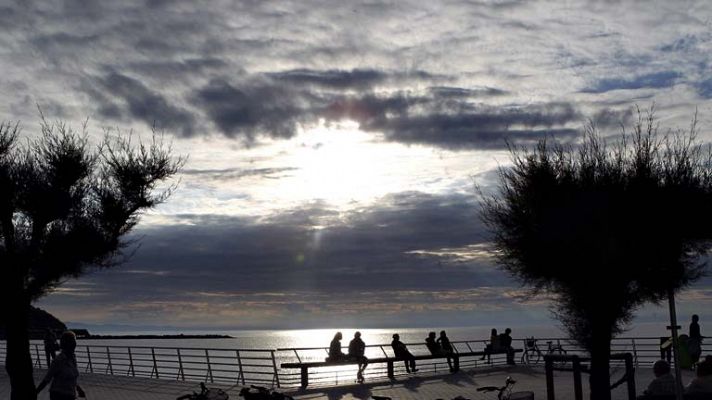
[
  {"x": 389, "y": 366},
  {"x": 131, "y": 366},
  {"x": 180, "y": 365},
  {"x": 37, "y": 352},
  {"x": 549, "y": 368},
  {"x": 630, "y": 372},
  {"x": 676, "y": 357},
  {"x": 274, "y": 366},
  {"x": 155, "y": 365},
  {"x": 635, "y": 353},
  {"x": 109, "y": 367},
  {"x": 456, "y": 362},
  {"x": 91, "y": 367},
  {"x": 578, "y": 390},
  {"x": 305, "y": 377},
  {"x": 210, "y": 369},
  {"x": 241, "y": 374}
]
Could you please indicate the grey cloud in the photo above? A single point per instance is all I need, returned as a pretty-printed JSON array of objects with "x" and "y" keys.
[
  {"x": 139, "y": 102},
  {"x": 225, "y": 174},
  {"x": 315, "y": 249},
  {"x": 345, "y": 79},
  {"x": 654, "y": 80},
  {"x": 704, "y": 88}
]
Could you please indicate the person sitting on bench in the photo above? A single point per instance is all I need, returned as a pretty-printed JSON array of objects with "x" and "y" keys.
[
  {"x": 402, "y": 353},
  {"x": 448, "y": 350},
  {"x": 664, "y": 382},
  {"x": 335, "y": 353},
  {"x": 492, "y": 346},
  {"x": 357, "y": 348},
  {"x": 505, "y": 344}
]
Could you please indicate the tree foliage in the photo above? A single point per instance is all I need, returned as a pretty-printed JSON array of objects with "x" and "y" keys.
[
  {"x": 606, "y": 225},
  {"x": 65, "y": 207}
]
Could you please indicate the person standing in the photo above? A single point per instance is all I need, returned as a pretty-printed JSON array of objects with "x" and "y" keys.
[
  {"x": 63, "y": 373},
  {"x": 694, "y": 343},
  {"x": 447, "y": 348},
  {"x": 357, "y": 348},
  {"x": 402, "y": 353},
  {"x": 50, "y": 346}
]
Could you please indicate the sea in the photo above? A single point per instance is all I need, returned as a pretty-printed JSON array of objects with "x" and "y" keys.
[{"x": 320, "y": 338}]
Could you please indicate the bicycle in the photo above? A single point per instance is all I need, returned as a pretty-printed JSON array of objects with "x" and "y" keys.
[
  {"x": 505, "y": 392},
  {"x": 205, "y": 394},
  {"x": 532, "y": 353},
  {"x": 263, "y": 394}
]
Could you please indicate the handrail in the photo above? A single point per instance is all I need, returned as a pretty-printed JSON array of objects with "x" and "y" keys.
[{"x": 262, "y": 366}]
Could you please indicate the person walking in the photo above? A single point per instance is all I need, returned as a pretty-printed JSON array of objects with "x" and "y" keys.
[
  {"x": 357, "y": 348},
  {"x": 63, "y": 372},
  {"x": 401, "y": 352},
  {"x": 50, "y": 346}
]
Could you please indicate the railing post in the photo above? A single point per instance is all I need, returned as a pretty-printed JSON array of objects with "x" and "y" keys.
[
  {"x": 180, "y": 365},
  {"x": 90, "y": 366},
  {"x": 241, "y": 374},
  {"x": 274, "y": 365},
  {"x": 384, "y": 352},
  {"x": 210, "y": 370},
  {"x": 155, "y": 365},
  {"x": 631, "y": 377},
  {"x": 549, "y": 368},
  {"x": 109, "y": 367},
  {"x": 635, "y": 353},
  {"x": 578, "y": 390},
  {"x": 37, "y": 352},
  {"x": 131, "y": 366}
]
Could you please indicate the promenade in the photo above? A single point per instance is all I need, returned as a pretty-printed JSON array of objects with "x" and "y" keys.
[{"x": 464, "y": 383}]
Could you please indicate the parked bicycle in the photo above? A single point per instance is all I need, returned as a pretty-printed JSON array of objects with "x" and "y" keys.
[
  {"x": 262, "y": 393},
  {"x": 532, "y": 353},
  {"x": 205, "y": 394},
  {"x": 505, "y": 392}
]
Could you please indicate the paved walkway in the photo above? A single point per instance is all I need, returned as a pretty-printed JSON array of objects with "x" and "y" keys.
[{"x": 464, "y": 383}]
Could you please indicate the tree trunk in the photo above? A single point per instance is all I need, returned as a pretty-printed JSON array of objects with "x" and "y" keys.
[
  {"x": 18, "y": 361},
  {"x": 600, "y": 380}
]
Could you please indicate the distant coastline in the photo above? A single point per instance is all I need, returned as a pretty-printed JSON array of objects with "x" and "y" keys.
[{"x": 179, "y": 336}]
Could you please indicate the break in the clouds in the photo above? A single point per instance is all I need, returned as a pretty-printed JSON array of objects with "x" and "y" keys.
[{"x": 334, "y": 146}]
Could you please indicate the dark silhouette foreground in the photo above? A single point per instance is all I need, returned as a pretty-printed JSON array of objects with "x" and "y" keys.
[
  {"x": 65, "y": 207},
  {"x": 604, "y": 228}
]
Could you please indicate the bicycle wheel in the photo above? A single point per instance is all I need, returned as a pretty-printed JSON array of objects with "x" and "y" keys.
[
  {"x": 558, "y": 351},
  {"x": 525, "y": 357}
]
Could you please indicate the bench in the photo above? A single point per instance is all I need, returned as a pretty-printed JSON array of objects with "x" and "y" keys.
[{"x": 390, "y": 361}]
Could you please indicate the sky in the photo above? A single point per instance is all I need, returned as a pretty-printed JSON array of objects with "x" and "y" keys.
[{"x": 334, "y": 148}]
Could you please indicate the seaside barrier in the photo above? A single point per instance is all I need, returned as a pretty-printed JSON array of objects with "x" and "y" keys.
[{"x": 261, "y": 366}]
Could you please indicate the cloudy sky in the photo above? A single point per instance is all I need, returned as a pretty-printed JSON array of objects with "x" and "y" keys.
[{"x": 334, "y": 149}]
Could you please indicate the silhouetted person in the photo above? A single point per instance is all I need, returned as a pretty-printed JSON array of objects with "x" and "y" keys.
[
  {"x": 505, "y": 343},
  {"x": 402, "y": 353},
  {"x": 492, "y": 346},
  {"x": 357, "y": 348},
  {"x": 335, "y": 354},
  {"x": 703, "y": 382},
  {"x": 432, "y": 345},
  {"x": 63, "y": 372},
  {"x": 446, "y": 348},
  {"x": 50, "y": 346},
  {"x": 664, "y": 383},
  {"x": 694, "y": 343}
]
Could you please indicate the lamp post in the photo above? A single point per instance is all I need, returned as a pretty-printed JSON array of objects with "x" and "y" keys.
[{"x": 675, "y": 355}]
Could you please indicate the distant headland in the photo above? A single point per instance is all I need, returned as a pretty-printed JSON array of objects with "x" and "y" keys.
[{"x": 179, "y": 336}]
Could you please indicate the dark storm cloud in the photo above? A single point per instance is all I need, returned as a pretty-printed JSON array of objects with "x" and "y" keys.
[
  {"x": 275, "y": 105},
  {"x": 654, "y": 80},
  {"x": 119, "y": 95},
  {"x": 314, "y": 248}
]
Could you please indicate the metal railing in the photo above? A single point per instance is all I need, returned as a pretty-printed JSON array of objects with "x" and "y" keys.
[
  {"x": 261, "y": 366},
  {"x": 236, "y": 366}
]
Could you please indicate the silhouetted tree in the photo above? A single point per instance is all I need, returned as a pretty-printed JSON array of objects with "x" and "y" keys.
[
  {"x": 65, "y": 207},
  {"x": 604, "y": 228}
]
